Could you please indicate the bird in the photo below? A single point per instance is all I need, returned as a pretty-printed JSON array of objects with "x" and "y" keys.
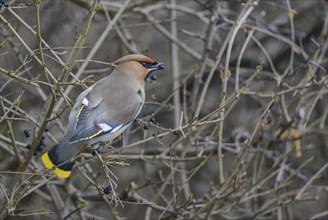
[{"x": 103, "y": 111}]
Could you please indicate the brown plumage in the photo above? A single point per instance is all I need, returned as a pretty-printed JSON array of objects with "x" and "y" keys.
[{"x": 103, "y": 111}]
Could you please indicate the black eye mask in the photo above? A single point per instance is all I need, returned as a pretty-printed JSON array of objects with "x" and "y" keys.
[{"x": 147, "y": 65}]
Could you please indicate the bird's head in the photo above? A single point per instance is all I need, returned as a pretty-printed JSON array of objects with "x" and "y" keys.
[{"x": 140, "y": 65}]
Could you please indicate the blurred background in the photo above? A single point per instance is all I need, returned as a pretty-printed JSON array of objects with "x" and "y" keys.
[{"x": 235, "y": 127}]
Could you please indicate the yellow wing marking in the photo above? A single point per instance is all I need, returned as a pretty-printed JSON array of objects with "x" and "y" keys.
[
  {"x": 94, "y": 135},
  {"x": 78, "y": 114}
]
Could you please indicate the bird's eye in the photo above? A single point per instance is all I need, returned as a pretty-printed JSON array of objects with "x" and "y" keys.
[{"x": 144, "y": 64}]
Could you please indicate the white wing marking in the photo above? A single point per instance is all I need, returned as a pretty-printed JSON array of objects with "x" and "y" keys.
[
  {"x": 104, "y": 127},
  {"x": 116, "y": 128},
  {"x": 85, "y": 101}
]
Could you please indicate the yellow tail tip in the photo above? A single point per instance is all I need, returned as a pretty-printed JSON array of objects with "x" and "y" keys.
[
  {"x": 62, "y": 173},
  {"x": 49, "y": 165},
  {"x": 46, "y": 161}
]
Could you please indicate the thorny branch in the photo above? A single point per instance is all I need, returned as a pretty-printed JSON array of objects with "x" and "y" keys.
[{"x": 234, "y": 128}]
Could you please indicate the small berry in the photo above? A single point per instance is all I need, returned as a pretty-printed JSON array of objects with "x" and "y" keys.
[
  {"x": 153, "y": 77},
  {"x": 28, "y": 146},
  {"x": 152, "y": 120},
  {"x": 26, "y": 133},
  {"x": 146, "y": 127},
  {"x": 40, "y": 147},
  {"x": 46, "y": 130},
  {"x": 176, "y": 132},
  {"x": 108, "y": 190},
  {"x": 3, "y": 3}
]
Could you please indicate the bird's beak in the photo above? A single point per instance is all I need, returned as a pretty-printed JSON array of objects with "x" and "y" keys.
[{"x": 155, "y": 66}]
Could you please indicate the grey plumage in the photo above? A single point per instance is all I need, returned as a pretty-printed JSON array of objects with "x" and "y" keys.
[{"x": 106, "y": 109}]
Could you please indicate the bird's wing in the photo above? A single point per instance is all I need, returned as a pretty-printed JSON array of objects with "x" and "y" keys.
[{"x": 106, "y": 115}]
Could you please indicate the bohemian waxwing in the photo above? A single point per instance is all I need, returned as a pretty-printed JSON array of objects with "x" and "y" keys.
[{"x": 103, "y": 111}]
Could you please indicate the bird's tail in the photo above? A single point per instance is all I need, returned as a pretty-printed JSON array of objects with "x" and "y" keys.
[{"x": 58, "y": 160}]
